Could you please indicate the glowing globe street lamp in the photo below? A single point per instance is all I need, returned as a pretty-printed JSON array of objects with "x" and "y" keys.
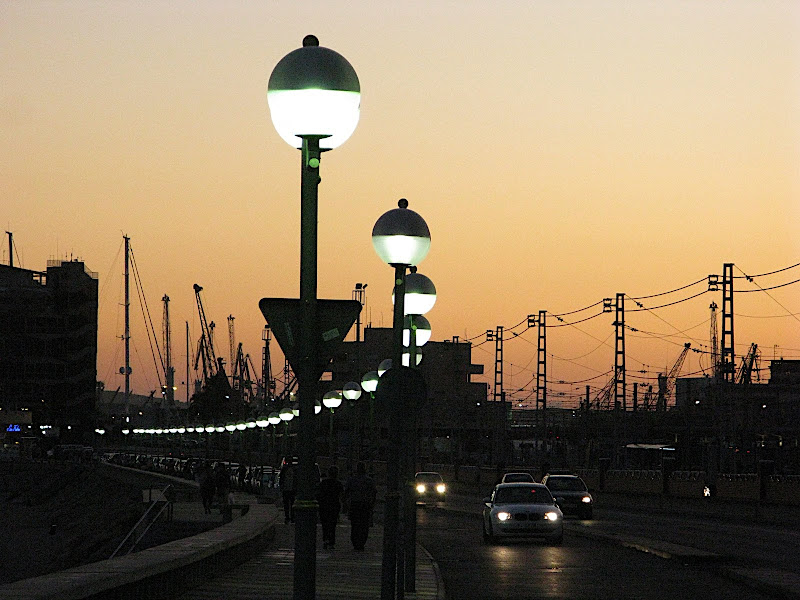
[
  {"x": 369, "y": 383},
  {"x": 286, "y": 415},
  {"x": 352, "y": 392},
  {"x": 274, "y": 419},
  {"x": 331, "y": 400},
  {"x": 402, "y": 239},
  {"x": 384, "y": 366},
  {"x": 314, "y": 98},
  {"x": 419, "y": 325}
]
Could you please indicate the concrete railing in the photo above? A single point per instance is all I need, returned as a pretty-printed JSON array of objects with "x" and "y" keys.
[{"x": 159, "y": 572}]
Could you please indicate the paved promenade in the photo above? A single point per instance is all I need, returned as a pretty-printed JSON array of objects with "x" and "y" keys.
[{"x": 342, "y": 573}]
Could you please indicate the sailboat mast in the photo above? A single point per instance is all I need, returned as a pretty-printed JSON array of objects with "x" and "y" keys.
[
  {"x": 169, "y": 370},
  {"x": 10, "y": 249},
  {"x": 127, "y": 335}
]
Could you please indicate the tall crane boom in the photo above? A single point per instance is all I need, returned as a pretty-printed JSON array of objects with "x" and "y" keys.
[
  {"x": 666, "y": 384},
  {"x": 745, "y": 374},
  {"x": 210, "y": 363}
]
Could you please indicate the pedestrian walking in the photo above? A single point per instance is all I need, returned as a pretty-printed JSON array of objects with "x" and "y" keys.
[
  {"x": 222, "y": 483},
  {"x": 359, "y": 498},
  {"x": 205, "y": 479},
  {"x": 330, "y": 505},
  {"x": 288, "y": 484}
]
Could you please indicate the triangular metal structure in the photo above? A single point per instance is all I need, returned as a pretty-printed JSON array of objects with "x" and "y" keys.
[{"x": 334, "y": 320}]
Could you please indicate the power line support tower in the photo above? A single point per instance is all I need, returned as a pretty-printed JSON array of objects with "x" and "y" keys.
[
  {"x": 715, "y": 370},
  {"x": 541, "y": 372},
  {"x": 498, "y": 364},
  {"x": 498, "y": 413},
  {"x": 727, "y": 366},
  {"x": 619, "y": 354}
]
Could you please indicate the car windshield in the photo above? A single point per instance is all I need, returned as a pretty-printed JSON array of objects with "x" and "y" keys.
[
  {"x": 566, "y": 484},
  {"x": 429, "y": 478},
  {"x": 523, "y": 495}
]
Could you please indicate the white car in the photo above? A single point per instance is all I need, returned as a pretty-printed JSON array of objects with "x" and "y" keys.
[
  {"x": 520, "y": 477},
  {"x": 522, "y": 510}
]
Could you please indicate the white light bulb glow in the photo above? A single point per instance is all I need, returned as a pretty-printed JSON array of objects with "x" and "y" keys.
[{"x": 314, "y": 112}]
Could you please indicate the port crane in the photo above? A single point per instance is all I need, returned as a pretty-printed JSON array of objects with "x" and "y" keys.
[
  {"x": 213, "y": 401},
  {"x": 750, "y": 363},
  {"x": 666, "y": 383}
]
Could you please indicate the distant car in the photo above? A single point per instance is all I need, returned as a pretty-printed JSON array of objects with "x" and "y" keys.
[
  {"x": 571, "y": 494},
  {"x": 522, "y": 510},
  {"x": 517, "y": 478},
  {"x": 430, "y": 486}
]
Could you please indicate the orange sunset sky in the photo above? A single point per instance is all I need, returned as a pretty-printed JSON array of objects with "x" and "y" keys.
[{"x": 561, "y": 152}]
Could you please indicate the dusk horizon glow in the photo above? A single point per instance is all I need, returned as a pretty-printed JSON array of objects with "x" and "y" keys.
[{"x": 560, "y": 153}]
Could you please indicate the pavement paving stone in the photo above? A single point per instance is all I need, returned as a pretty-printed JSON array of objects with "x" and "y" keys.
[{"x": 342, "y": 573}]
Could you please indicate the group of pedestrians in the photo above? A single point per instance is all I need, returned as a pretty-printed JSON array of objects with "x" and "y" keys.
[
  {"x": 214, "y": 483},
  {"x": 356, "y": 498}
]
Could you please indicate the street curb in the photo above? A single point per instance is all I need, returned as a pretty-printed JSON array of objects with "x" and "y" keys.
[
  {"x": 440, "y": 591},
  {"x": 762, "y": 580}
]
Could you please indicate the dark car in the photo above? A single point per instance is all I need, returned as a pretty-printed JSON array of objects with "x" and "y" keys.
[
  {"x": 430, "y": 487},
  {"x": 571, "y": 494}
]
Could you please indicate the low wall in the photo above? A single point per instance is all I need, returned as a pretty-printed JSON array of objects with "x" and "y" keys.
[
  {"x": 779, "y": 490},
  {"x": 160, "y": 572}
]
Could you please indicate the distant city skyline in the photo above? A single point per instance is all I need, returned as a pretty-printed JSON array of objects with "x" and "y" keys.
[{"x": 561, "y": 153}]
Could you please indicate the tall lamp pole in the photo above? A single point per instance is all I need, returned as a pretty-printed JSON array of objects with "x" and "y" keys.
[
  {"x": 369, "y": 383},
  {"x": 402, "y": 239},
  {"x": 351, "y": 393},
  {"x": 314, "y": 98},
  {"x": 416, "y": 333}
]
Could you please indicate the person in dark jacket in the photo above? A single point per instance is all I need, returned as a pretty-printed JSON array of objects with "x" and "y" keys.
[
  {"x": 359, "y": 497},
  {"x": 330, "y": 504},
  {"x": 222, "y": 483},
  {"x": 205, "y": 479},
  {"x": 287, "y": 483}
]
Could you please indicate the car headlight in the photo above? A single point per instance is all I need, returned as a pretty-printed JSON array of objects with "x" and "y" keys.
[
  {"x": 441, "y": 488},
  {"x": 551, "y": 516},
  {"x": 586, "y": 499},
  {"x": 503, "y": 516},
  {"x": 421, "y": 488}
]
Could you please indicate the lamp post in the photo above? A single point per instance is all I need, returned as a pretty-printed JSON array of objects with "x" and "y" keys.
[
  {"x": 369, "y": 383},
  {"x": 331, "y": 400},
  {"x": 420, "y": 297},
  {"x": 314, "y": 98},
  {"x": 351, "y": 393},
  {"x": 402, "y": 239},
  {"x": 286, "y": 415}
]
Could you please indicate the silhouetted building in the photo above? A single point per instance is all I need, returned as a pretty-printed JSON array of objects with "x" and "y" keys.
[
  {"x": 48, "y": 346},
  {"x": 734, "y": 426},
  {"x": 456, "y": 421}
]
